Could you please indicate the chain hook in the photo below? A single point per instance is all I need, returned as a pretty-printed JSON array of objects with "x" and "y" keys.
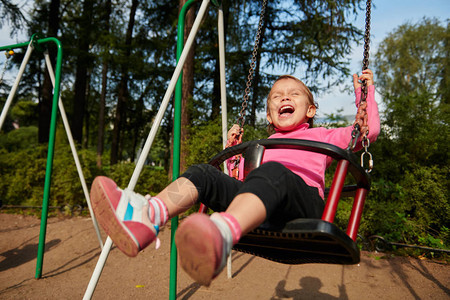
[{"x": 366, "y": 144}]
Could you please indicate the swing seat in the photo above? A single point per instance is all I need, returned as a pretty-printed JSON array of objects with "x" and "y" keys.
[
  {"x": 301, "y": 241},
  {"x": 307, "y": 240}
]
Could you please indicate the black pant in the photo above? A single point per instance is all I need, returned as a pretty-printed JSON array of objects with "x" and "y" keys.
[{"x": 284, "y": 194}]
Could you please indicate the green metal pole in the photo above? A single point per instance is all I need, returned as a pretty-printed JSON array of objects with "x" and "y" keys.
[
  {"x": 51, "y": 146},
  {"x": 176, "y": 146},
  {"x": 51, "y": 142},
  {"x": 15, "y": 46}
]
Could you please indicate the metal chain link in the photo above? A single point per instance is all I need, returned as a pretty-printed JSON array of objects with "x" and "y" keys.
[
  {"x": 364, "y": 140},
  {"x": 366, "y": 49},
  {"x": 356, "y": 127},
  {"x": 241, "y": 119}
]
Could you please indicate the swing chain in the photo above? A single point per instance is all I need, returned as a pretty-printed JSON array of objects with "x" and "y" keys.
[
  {"x": 356, "y": 132},
  {"x": 8, "y": 55},
  {"x": 366, "y": 49},
  {"x": 252, "y": 65}
]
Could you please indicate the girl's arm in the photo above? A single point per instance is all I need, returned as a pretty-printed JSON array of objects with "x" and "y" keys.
[
  {"x": 235, "y": 137},
  {"x": 372, "y": 117}
]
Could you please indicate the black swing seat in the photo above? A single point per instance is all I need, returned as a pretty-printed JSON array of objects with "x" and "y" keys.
[{"x": 302, "y": 240}]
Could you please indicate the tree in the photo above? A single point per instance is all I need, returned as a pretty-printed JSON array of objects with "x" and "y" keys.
[
  {"x": 314, "y": 37},
  {"x": 187, "y": 90},
  {"x": 123, "y": 95},
  {"x": 411, "y": 173},
  {"x": 105, "y": 17},
  {"x": 10, "y": 12},
  {"x": 45, "y": 105},
  {"x": 83, "y": 64},
  {"x": 410, "y": 66}
]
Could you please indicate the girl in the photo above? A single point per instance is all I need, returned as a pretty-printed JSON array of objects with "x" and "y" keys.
[{"x": 289, "y": 184}]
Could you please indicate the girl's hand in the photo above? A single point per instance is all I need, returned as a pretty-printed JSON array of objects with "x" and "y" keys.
[
  {"x": 234, "y": 131},
  {"x": 234, "y": 135},
  {"x": 366, "y": 75}
]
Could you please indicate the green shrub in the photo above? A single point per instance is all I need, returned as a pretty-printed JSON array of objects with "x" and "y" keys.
[
  {"x": 151, "y": 180},
  {"x": 22, "y": 175}
]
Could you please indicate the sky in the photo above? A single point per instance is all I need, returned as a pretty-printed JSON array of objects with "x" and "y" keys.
[{"x": 387, "y": 15}]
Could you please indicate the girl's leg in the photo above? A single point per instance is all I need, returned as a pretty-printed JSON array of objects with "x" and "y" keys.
[
  {"x": 133, "y": 221},
  {"x": 271, "y": 192},
  {"x": 179, "y": 196},
  {"x": 248, "y": 210},
  {"x": 204, "y": 243}
]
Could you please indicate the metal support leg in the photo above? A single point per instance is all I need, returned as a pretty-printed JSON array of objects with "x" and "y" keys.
[{"x": 146, "y": 149}]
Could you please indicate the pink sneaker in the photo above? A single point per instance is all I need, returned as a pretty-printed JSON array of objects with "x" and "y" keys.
[
  {"x": 201, "y": 247},
  {"x": 111, "y": 205}
]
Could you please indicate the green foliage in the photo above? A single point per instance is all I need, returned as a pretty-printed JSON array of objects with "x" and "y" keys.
[
  {"x": 151, "y": 180},
  {"x": 427, "y": 196},
  {"x": 408, "y": 202},
  {"x": 24, "y": 137},
  {"x": 204, "y": 142},
  {"x": 22, "y": 174},
  {"x": 25, "y": 113}
]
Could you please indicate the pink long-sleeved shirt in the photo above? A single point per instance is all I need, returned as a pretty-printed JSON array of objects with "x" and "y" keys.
[{"x": 311, "y": 166}]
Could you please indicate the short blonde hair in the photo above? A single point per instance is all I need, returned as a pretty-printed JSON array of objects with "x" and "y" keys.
[{"x": 271, "y": 128}]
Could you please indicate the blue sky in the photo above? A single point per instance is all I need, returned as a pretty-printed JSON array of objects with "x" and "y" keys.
[{"x": 386, "y": 16}]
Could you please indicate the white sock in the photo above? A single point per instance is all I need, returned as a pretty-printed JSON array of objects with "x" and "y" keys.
[{"x": 157, "y": 211}]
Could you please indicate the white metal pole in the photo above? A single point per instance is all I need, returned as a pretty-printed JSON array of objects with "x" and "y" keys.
[
  {"x": 223, "y": 91},
  {"x": 223, "y": 99},
  {"x": 74, "y": 149},
  {"x": 98, "y": 269},
  {"x": 140, "y": 164},
  {"x": 12, "y": 93}
]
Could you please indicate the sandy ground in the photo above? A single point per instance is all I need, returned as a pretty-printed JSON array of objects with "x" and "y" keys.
[{"x": 72, "y": 251}]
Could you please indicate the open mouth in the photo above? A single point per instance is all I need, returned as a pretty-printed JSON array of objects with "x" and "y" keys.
[{"x": 286, "y": 111}]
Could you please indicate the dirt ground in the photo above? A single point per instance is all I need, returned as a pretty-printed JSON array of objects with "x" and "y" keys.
[{"x": 72, "y": 251}]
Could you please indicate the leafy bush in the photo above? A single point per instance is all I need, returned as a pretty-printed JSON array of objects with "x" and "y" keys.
[
  {"x": 151, "y": 180},
  {"x": 22, "y": 172},
  {"x": 22, "y": 138}
]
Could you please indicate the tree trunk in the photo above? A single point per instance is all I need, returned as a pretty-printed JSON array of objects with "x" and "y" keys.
[
  {"x": 123, "y": 89},
  {"x": 83, "y": 62},
  {"x": 45, "y": 106},
  {"x": 187, "y": 91},
  {"x": 102, "y": 104},
  {"x": 87, "y": 115}
]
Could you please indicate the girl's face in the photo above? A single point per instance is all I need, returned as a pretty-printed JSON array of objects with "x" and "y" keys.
[{"x": 288, "y": 105}]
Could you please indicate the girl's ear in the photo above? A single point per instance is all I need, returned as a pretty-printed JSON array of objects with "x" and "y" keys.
[
  {"x": 269, "y": 118},
  {"x": 311, "y": 111}
]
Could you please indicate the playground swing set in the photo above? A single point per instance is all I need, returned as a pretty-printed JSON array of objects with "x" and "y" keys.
[
  {"x": 300, "y": 241},
  {"x": 38, "y": 43}
]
